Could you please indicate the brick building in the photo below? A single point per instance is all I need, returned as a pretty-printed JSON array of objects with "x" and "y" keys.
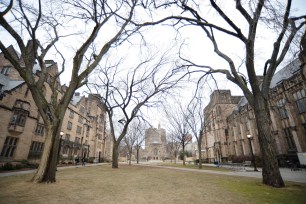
[{"x": 22, "y": 132}]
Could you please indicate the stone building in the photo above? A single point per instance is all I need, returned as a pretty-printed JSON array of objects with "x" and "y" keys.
[
  {"x": 155, "y": 143},
  {"x": 226, "y": 138},
  {"x": 221, "y": 104},
  {"x": 22, "y": 132}
]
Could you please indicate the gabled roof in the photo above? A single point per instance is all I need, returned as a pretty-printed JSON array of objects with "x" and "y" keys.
[
  {"x": 8, "y": 84},
  {"x": 285, "y": 73}
]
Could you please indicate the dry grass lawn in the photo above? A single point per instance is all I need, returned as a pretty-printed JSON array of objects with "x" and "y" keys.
[{"x": 138, "y": 184}]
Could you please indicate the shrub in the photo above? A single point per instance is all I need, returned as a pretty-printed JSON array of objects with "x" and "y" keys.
[
  {"x": 8, "y": 166},
  {"x": 20, "y": 166}
]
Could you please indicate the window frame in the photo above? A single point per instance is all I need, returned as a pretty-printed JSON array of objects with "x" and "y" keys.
[
  {"x": 19, "y": 117},
  {"x": 9, "y": 147},
  {"x": 69, "y": 125}
]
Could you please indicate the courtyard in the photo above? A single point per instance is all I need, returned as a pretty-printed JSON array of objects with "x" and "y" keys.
[{"x": 145, "y": 184}]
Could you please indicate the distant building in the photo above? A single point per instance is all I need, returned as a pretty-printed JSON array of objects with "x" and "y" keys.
[
  {"x": 22, "y": 131},
  {"x": 155, "y": 143}
]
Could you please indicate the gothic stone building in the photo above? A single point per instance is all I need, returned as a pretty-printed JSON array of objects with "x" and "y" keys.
[
  {"x": 226, "y": 138},
  {"x": 155, "y": 143},
  {"x": 221, "y": 104},
  {"x": 22, "y": 132}
]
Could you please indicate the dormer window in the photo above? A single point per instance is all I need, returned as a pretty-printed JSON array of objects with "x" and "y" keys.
[
  {"x": 5, "y": 70},
  {"x": 19, "y": 117}
]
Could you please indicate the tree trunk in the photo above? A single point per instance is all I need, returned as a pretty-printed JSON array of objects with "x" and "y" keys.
[
  {"x": 130, "y": 156},
  {"x": 200, "y": 155},
  {"x": 184, "y": 157},
  {"x": 46, "y": 171},
  {"x": 115, "y": 155},
  {"x": 137, "y": 155},
  {"x": 270, "y": 171}
]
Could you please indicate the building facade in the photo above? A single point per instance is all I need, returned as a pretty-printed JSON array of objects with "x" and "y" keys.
[
  {"x": 155, "y": 143},
  {"x": 221, "y": 104},
  {"x": 227, "y": 137},
  {"x": 22, "y": 131}
]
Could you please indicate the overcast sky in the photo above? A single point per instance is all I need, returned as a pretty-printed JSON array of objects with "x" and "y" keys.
[{"x": 196, "y": 47}]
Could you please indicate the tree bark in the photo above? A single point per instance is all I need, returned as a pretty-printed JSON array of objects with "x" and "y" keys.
[
  {"x": 46, "y": 171},
  {"x": 115, "y": 156},
  {"x": 270, "y": 171},
  {"x": 200, "y": 155},
  {"x": 130, "y": 156},
  {"x": 137, "y": 155},
  {"x": 184, "y": 156}
]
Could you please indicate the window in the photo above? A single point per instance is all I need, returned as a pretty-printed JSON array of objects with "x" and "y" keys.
[
  {"x": 71, "y": 114},
  {"x": 289, "y": 139},
  {"x": 82, "y": 109},
  {"x": 77, "y": 140},
  {"x": 99, "y": 136},
  {"x": 39, "y": 129},
  {"x": 37, "y": 147},
  {"x": 1, "y": 88},
  {"x": 69, "y": 125},
  {"x": 300, "y": 99},
  {"x": 19, "y": 117},
  {"x": 101, "y": 118},
  {"x": 246, "y": 124},
  {"x": 67, "y": 137},
  {"x": 9, "y": 147},
  {"x": 65, "y": 150},
  {"x": 281, "y": 108},
  {"x": 80, "y": 120},
  {"x": 5, "y": 70},
  {"x": 79, "y": 130}
]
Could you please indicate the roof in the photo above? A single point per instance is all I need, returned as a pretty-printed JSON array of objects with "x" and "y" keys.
[
  {"x": 285, "y": 73},
  {"x": 243, "y": 101},
  {"x": 75, "y": 99},
  {"x": 8, "y": 84}
]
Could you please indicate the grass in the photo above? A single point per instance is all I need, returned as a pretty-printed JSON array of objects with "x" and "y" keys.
[{"x": 139, "y": 184}]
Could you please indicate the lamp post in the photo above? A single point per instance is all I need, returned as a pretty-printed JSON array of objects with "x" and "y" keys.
[
  {"x": 59, "y": 146},
  {"x": 250, "y": 138}
]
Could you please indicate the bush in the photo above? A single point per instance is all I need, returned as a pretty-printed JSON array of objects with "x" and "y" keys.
[
  {"x": 20, "y": 166},
  {"x": 186, "y": 153},
  {"x": 8, "y": 166}
]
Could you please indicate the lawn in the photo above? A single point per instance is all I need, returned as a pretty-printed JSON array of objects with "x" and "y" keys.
[{"x": 140, "y": 184}]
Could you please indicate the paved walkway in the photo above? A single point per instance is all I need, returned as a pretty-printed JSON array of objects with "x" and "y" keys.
[
  {"x": 287, "y": 174},
  {"x": 12, "y": 173}
]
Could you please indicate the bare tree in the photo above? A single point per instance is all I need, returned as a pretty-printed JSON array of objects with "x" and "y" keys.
[
  {"x": 125, "y": 89},
  {"x": 37, "y": 18},
  {"x": 173, "y": 146},
  {"x": 246, "y": 30},
  {"x": 195, "y": 120},
  {"x": 178, "y": 126},
  {"x": 135, "y": 137}
]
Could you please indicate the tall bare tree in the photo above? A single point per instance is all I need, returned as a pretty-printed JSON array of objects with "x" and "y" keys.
[
  {"x": 173, "y": 147},
  {"x": 135, "y": 137},
  {"x": 254, "y": 16},
  {"x": 125, "y": 89},
  {"x": 94, "y": 19},
  {"x": 195, "y": 120},
  {"x": 178, "y": 126}
]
